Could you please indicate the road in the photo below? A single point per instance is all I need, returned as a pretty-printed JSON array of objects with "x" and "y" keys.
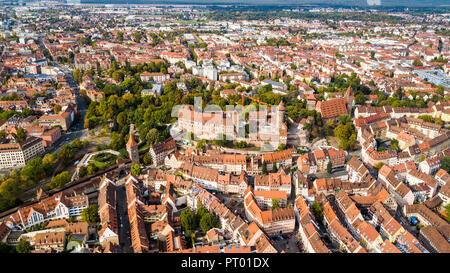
[
  {"x": 124, "y": 224},
  {"x": 286, "y": 245},
  {"x": 405, "y": 223},
  {"x": 234, "y": 202},
  {"x": 77, "y": 129}
]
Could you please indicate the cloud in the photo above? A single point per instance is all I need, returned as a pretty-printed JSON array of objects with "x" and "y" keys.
[{"x": 373, "y": 2}]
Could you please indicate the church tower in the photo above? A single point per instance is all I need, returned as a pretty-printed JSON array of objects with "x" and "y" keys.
[{"x": 132, "y": 149}]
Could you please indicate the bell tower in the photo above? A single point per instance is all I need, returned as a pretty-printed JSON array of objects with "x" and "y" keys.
[{"x": 132, "y": 148}]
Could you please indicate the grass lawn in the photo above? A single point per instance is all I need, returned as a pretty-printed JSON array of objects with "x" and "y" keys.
[
  {"x": 103, "y": 160},
  {"x": 73, "y": 244}
]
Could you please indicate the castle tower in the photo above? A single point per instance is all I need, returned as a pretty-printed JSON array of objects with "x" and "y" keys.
[
  {"x": 350, "y": 98},
  {"x": 281, "y": 112},
  {"x": 132, "y": 149}
]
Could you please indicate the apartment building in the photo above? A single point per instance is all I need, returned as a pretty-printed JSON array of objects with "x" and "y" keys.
[
  {"x": 402, "y": 194},
  {"x": 63, "y": 119},
  {"x": 265, "y": 199},
  {"x": 157, "y": 77},
  {"x": 349, "y": 211},
  {"x": 433, "y": 240},
  {"x": 222, "y": 162},
  {"x": 253, "y": 236},
  {"x": 107, "y": 212},
  {"x": 280, "y": 181},
  {"x": 212, "y": 179},
  {"x": 50, "y": 240},
  {"x": 15, "y": 154},
  {"x": 58, "y": 206},
  {"x": 159, "y": 151},
  {"x": 273, "y": 222},
  {"x": 308, "y": 229},
  {"x": 340, "y": 237}
]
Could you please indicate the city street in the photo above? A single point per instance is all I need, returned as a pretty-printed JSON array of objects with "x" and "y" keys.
[
  {"x": 76, "y": 131},
  {"x": 124, "y": 224},
  {"x": 288, "y": 245}
]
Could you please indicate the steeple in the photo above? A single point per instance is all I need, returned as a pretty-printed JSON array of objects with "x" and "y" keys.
[
  {"x": 132, "y": 147},
  {"x": 131, "y": 142}
]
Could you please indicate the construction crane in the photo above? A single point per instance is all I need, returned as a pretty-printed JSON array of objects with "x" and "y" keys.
[{"x": 253, "y": 99}]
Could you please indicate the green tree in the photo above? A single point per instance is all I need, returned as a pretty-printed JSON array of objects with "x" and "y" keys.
[
  {"x": 417, "y": 62},
  {"x": 200, "y": 144},
  {"x": 23, "y": 246},
  {"x": 329, "y": 125},
  {"x": 200, "y": 211},
  {"x": 137, "y": 36},
  {"x": 264, "y": 168},
  {"x": 120, "y": 36},
  {"x": 147, "y": 159},
  {"x": 207, "y": 222},
  {"x": 394, "y": 145},
  {"x": 90, "y": 214},
  {"x": 346, "y": 134},
  {"x": 77, "y": 75},
  {"x": 117, "y": 76},
  {"x": 345, "y": 119},
  {"x": 91, "y": 169},
  {"x": 59, "y": 180},
  {"x": 447, "y": 212},
  {"x": 33, "y": 171},
  {"x": 21, "y": 134},
  {"x": 152, "y": 136},
  {"x": 399, "y": 93},
  {"x": 379, "y": 165},
  {"x": 10, "y": 188},
  {"x": 57, "y": 108},
  {"x": 187, "y": 219},
  {"x": 446, "y": 163},
  {"x": 136, "y": 170},
  {"x": 4, "y": 248},
  {"x": 360, "y": 99},
  {"x": 317, "y": 210},
  {"x": 329, "y": 167},
  {"x": 66, "y": 154},
  {"x": 275, "y": 203}
]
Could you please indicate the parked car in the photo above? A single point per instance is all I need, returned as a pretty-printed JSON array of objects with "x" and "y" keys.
[{"x": 288, "y": 236}]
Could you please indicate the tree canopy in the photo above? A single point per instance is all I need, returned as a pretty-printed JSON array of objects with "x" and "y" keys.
[{"x": 90, "y": 214}]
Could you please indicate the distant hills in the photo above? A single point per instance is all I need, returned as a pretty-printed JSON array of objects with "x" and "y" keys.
[{"x": 362, "y": 3}]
